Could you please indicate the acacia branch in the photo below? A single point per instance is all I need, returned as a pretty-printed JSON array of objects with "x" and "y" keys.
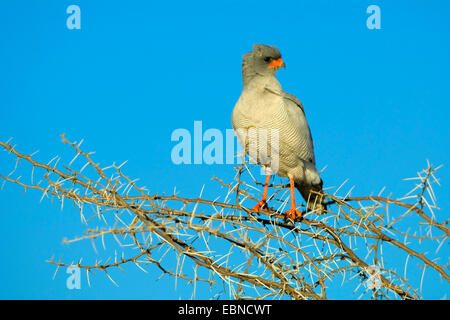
[{"x": 257, "y": 255}]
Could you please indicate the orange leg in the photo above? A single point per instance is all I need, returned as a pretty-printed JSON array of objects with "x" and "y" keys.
[
  {"x": 263, "y": 202},
  {"x": 293, "y": 212}
]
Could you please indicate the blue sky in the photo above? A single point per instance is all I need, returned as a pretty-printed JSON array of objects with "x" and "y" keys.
[{"x": 376, "y": 101}]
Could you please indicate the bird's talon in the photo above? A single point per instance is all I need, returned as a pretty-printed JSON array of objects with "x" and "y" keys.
[
  {"x": 259, "y": 205},
  {"x": 293, "y": 214}
]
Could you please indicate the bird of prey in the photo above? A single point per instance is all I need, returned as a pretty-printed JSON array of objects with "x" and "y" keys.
[{"x": 264, "y": 107}]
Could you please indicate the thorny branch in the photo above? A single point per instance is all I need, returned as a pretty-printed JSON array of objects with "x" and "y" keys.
[{"x": 247, "y": 255}]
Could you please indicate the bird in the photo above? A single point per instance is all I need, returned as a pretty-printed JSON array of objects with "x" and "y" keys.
[{"x": 264, "y": 109}]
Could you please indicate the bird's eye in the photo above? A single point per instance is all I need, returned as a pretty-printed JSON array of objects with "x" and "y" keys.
[{"x": 267, "y": 59}]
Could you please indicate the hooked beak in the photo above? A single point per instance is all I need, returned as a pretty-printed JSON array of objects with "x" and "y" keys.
[{"x": 277, "y": 63}]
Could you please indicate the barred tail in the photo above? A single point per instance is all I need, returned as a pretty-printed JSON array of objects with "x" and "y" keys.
[{"x": 314, "y": 201}]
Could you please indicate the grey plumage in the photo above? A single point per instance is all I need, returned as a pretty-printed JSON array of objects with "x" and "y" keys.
[{"x": 264, "y": 105}]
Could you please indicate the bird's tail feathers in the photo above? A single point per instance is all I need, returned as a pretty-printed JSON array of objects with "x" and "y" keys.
[{"x": 313, "y": 197}]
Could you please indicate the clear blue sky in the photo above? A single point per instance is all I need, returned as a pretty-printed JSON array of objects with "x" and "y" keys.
[{"x": 377, "y": 103}]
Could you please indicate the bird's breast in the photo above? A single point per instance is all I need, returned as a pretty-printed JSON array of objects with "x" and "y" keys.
[
  {"x": 270, "y": 112},
  {"x": 256, "y": 109}
]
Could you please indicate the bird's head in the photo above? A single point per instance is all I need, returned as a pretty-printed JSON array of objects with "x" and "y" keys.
[{"x": 263, "y": 59}]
